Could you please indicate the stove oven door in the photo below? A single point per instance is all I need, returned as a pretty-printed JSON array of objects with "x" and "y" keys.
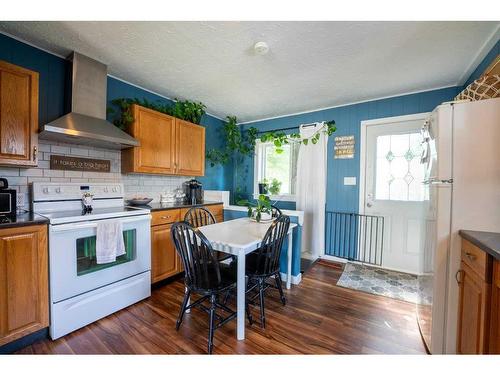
[{"x": 72, "y": 256}]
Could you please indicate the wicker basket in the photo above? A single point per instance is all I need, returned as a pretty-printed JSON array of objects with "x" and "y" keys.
[{"x": 485, "y": 87}]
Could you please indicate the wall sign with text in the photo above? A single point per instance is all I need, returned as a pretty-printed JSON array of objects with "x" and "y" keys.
[
  {"x": 344, "y": 147},
  {"x": 71, "y": 163}
]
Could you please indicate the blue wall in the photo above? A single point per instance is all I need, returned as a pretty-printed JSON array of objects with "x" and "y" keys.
[
  {"x": 488, "y": 59},
  {"x": 53, "y": 71},
  {"x": 348, "y": 119}
]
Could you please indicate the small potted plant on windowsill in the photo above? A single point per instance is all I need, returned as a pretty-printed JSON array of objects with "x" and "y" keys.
[
  {"x": 263, "y": 187},
  {"x": 275, "y": 187},
  {"x": 260, "y": 211}
]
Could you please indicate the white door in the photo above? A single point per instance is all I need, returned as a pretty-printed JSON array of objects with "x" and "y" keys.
[{"x": 391, "y": 186}]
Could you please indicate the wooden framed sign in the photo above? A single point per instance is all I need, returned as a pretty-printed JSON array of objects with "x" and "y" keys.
[
  {"x": 71, "y": 163},
  {"x": 344, "y": 147}
]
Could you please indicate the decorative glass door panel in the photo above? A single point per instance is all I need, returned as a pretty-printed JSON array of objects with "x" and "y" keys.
[
  {"x": 86, "y": 261},
  {"x": 399, "y": 174}
]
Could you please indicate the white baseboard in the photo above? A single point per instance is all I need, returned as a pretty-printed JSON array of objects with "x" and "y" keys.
[
  {"x": 295, "y": 279},
  {"x": 334, "y": 258}
]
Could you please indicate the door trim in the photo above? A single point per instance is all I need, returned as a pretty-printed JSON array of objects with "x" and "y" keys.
[{"x": 362, "y": 147}]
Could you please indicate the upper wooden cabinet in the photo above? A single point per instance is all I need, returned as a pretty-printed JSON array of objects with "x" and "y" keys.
[
  {"x": 168, "y": 145},
  {"x": 190, "y": 148},
  {"x": 18, "y": 116},
  {"x": 24, "y": 296}
]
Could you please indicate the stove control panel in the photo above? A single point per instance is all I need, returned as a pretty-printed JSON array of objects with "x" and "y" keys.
[{"x": 53, "y": 191}]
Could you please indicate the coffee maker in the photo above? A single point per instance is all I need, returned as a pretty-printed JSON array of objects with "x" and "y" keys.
[{"x": 194, "y": 191}]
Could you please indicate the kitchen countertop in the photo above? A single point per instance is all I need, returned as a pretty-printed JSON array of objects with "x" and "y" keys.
[
  {"x": 157, "y": 206},
  {"x": 487, "y": 241},
  {"x": 23, "y": 219}
]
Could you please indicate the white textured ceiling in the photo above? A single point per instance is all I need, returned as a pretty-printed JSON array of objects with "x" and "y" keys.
[{"x": 310, "y": 64}]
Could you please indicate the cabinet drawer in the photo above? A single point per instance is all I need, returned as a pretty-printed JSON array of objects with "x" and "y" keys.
[
  {"x": 165, "y": 217},
  {"x": 476, "y": 259},
  {"x": 216, "y": 209}
]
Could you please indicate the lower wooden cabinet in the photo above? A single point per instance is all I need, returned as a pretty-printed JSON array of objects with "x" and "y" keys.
[
  {"x": 495, "y": 310},
  {"x": 473, "y": 312},
  {"x": 164, "y": 259},
  {"x": 24, "y": 297},
  {"x": 479, "y": 303}
]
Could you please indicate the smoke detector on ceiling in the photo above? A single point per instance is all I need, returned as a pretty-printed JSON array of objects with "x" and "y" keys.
[{"x": 261, "y": 48}]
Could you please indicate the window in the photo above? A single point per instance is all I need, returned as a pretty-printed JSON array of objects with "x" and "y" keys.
[
  {"x": 399, "y": 174},
  {"x": 282, "y": 166}
]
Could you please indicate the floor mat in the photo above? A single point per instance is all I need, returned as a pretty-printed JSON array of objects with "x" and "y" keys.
[{"x": 398, "y": 285}]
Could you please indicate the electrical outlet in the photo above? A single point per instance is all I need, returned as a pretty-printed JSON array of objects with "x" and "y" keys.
[{"x": 20, "y": 201}]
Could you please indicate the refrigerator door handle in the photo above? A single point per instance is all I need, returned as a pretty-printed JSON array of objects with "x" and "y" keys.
[{"x": 436, "y": 181}]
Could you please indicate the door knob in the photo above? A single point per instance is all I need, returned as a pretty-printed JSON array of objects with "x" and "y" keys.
[{"x": 369, "y": 204}]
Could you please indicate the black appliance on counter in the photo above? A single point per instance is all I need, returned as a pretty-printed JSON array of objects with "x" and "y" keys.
[
  {"x": 7, "y": 199},
  {"x": 194, "y": 191}
]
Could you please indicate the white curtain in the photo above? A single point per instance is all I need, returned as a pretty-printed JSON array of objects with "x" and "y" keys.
[{"x": 311, "y": 190}]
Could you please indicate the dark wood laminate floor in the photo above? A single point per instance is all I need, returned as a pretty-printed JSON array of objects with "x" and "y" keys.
[{"x": 319, "y": 318}]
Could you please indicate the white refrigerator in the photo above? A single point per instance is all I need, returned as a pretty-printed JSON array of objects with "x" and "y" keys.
[{"x": 462, "y": 156}]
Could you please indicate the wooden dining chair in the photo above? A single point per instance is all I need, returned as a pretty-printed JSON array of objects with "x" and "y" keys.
[
  {"x": 199, "y": 217},
  {"x": 204, "y": 275},
  {"x": 275, "y": 211},
  {"x": 264, "y": 263}
]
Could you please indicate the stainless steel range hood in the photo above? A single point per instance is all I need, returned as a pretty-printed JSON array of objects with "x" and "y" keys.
[{"x": 86, "y": 123}]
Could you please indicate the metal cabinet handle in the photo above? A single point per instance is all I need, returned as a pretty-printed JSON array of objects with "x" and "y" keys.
[
  {"x": 165, "y": 217},
  {"x": 35, "y": 152},
  {"x": 470, "y": 256},
  {"x": 459, "y": 272}
]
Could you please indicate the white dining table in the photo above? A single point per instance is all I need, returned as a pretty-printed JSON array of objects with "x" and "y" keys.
[{"x": 240, "y": 237}]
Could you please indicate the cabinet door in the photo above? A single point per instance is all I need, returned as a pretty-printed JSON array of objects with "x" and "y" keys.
[
  {"x": 18, "y": 116},
  {"x": 190, "y": 149},
  {"x": 156, "y": 133},
  {"x": 495, "y": 310},
  {"x": 24, "y": 300},
  {"x": 164, "y": 259},
  {"x": 473, "y": 321}
]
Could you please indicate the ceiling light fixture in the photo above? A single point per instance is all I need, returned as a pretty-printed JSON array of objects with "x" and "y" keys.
[{"x": 261, "y": 48}]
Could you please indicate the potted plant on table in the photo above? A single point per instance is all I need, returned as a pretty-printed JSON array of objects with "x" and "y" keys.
[{"x": 260, "y": 210}]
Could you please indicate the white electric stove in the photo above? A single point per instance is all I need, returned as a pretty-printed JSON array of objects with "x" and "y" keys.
[{"x": 82, "y": 291}]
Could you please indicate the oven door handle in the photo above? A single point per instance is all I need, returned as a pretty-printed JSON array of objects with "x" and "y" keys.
[{"x": 86, "y": 225}]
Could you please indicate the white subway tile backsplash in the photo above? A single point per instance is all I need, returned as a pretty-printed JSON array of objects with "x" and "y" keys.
[
  {"x": 44, "y": 147},
  {"x": 145, "y": 185},
  {"x": 53, "y": 173},
  {"x": 60, "y": 149},
  {"x": 73, "y": 173},
  {"x": 7, "y": 172},
  {"x": 79, "y": 151},
  {"x": 31, "y": 172}
]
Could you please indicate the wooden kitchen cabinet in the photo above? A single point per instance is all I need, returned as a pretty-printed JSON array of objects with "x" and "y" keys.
[
  {"x": 164, "y": 259},
  {"x": 474, "y": 312},
  {"x": 190, "y": 149},
  {"x": 165, "y": 262},
  {"x": 24, "y": 297},
  {"x": 156, "y": 133},
  {"x": 168, "y": 145},
  {"x": 18, "y": 116},
  {"x": 495, "y": 310}
]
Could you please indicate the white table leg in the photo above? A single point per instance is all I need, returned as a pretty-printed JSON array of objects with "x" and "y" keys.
[
  {"x": 289, "y": 267},
  {"x": 240, "y": 297}
]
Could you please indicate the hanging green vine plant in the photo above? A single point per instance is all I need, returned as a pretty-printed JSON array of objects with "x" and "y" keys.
[
  {"x": 242, "y": 143},
  {"x": 237, "y": 143},
  {"x": 182, "y": 109},
  {"x": 280, "y": 138}
]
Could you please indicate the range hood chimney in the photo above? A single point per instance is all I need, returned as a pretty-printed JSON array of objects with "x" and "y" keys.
[{"x": 86, "y": 123}]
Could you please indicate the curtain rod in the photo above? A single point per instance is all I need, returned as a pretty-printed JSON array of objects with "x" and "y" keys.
[{"x": 291, "y": 127}]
